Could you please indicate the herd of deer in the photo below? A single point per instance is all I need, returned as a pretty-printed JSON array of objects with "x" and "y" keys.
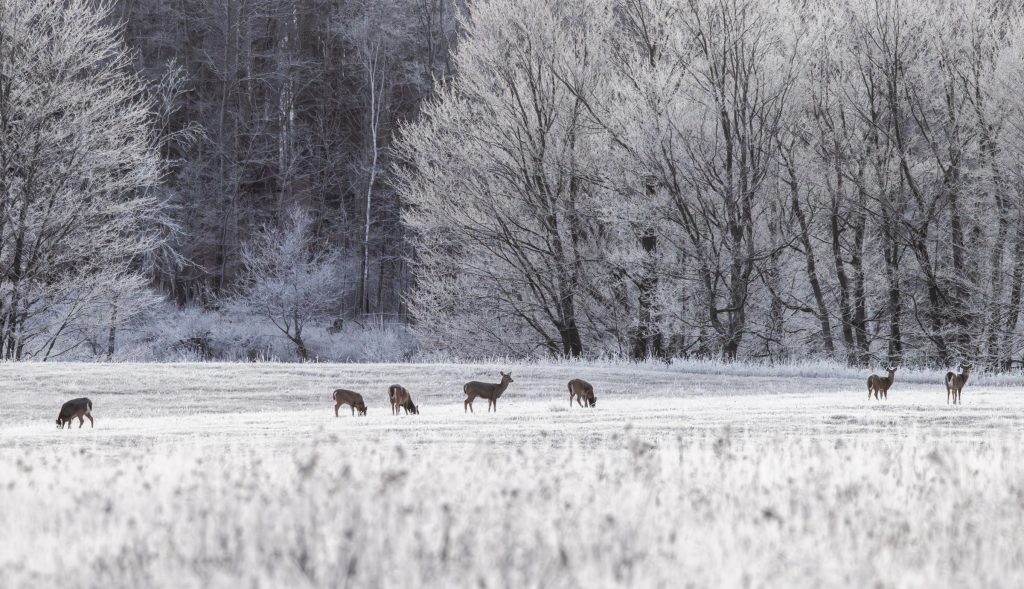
[
  {"x": 955, "y": 381},
  {"x": 580, "y": 391}
]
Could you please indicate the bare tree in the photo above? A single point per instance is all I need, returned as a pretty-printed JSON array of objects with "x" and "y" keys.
[
  {"x": 288, "y": 277},
  {"x": 78, "y": 153}
]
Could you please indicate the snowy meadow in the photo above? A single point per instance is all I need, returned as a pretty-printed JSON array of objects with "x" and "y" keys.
[{"x": 217, "y": 475}]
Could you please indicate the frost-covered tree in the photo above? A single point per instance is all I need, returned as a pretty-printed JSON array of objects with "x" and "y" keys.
[
  {"x": 698, "y": 102},
  {"x": 77, "y": 159},
  {"x": 289, "y": 277},
  {"x": 502, "y": 177}
]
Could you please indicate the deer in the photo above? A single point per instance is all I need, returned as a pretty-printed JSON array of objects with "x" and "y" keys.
[
  {"x": 955, "y": 383},
  {"x": 75, "y": 408},
  {"x": 401, "y": 399},
  {"x": 583, "y": 392},
  {"x": 880, "y": 385},
  {"x": 353, "y": 399},
  {"x": 485, "y": 390},
  {"x": 335, "y": 327}
]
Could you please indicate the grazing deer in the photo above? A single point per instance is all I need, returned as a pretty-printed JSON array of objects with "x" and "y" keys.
[
  {"x": 72, "y": 409},
  {"x": 485, "y": 390},
  {"x": 583, "y": 392},
  {"x": 354, "y": 400},
  {"x": 401, "y": 399},
  {"x": 336, "y": 326},
  {"x": 955, "y": 383},
  {"x": 879, "y": 385}
]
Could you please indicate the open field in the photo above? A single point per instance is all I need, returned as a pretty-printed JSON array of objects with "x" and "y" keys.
[{"x": 207, "y": 475}]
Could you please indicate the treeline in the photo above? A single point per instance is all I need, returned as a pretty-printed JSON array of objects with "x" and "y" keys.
[
  {"x": 765, "y": 179},
  {"x": 746, "y": 178},
  {"x": 293, "y": 103},
  {"x": 148, "y": 148}
]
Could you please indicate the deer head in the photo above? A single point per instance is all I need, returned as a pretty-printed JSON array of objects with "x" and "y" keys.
[{"x": 505, "y": 377}]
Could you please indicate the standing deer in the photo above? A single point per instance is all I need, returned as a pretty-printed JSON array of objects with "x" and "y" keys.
[
  {"x": 583, "y": 392},
  {"x": 879, "y": 385},
  {"x": 955, "y": 383},
  {"x": 72, "y": 409},
  {"x": 354, "y": 400},
  {"x": 485, "y": 390},
  {"x": 401, "y": 399}
]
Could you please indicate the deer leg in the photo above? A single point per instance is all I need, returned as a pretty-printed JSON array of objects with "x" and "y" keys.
[
  {"x": 353, "y": 410},
  {"x": 81, "y": 422},
  {"x": 336, "y": 405},
  {"x": 91, "y": 423}
]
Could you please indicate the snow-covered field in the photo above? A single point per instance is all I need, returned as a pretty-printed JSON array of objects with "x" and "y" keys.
[{"x": 217, "y": 475}]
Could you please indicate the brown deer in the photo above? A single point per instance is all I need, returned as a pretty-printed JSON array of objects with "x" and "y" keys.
[
  {"x": 72, "y": 409},
  {"x": 335, "y": 327},
  {"x": 583, "y": 392},
  {"x": 485, "y": 390},
  {"x": 955, "y": 383},
  {"x": 354, "y": 400},
  {"x": 880, "y": 385},
  {"x": 401, "y": 399}
]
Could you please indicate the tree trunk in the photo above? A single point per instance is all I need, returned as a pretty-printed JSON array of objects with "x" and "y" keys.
[
  {"x": 812, "y": 268},
  {"x": 112, "y": 333},
  {"x": 894, "y": 298},
  {"x": 372, "y": 65},
  {"x": 647, "y": 341}
]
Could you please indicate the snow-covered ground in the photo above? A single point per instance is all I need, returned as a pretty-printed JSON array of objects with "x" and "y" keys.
[{"x": 700, "y": 474}]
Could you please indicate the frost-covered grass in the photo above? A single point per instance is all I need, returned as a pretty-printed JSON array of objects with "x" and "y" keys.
[{"x": 217, "y": 475}]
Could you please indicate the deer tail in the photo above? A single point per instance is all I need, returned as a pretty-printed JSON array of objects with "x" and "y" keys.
[
  {"x": 949, "y": 378},
  {"x": 89, "y": 403}
]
